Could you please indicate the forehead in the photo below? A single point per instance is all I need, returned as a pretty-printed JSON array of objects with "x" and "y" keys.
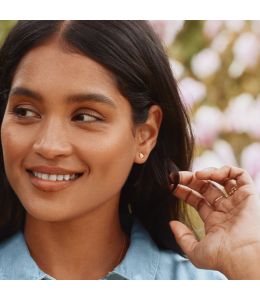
[{"x": 50, "y": 67}]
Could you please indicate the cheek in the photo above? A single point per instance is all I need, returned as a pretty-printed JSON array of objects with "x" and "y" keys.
[
  {"x": 111, "y": 156},
  {"x": 14, "y": 145}
]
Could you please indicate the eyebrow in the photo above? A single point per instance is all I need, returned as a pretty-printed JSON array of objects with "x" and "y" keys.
[{"x": 77, "y": 98}]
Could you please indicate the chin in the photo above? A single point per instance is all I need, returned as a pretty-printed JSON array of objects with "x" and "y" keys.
[{"x": 49, "y": 213}]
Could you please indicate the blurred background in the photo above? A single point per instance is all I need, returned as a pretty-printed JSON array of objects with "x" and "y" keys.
[{"x": 217, "y": 66}]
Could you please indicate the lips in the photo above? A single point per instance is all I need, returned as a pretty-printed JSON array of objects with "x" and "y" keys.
[
  {"x": 53, "y": 170},
  {"x": 52, "y": 179}
]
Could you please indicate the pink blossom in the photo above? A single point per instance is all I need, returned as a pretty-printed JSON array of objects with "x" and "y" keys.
[
  {"x": 167, "y": 30},
  {"x": 221, "y": 41},
  {"x": 192, "y": 91},
  {"x": 255, "y": 25},
  {"x": 236, "y": 69},
  {"x": 211, "y": 28},
  {"x": 235, "y": 25},
  {"x": 205, "y": 63},
  {"x": 222, "y": 154},
  {"x": 246, "y": 50},
  {"x": 177, "y": 68},
  {"x": 237, "y": 113},
  {"x": 207, "y": 159},
  {"x": 242, "y": 115},
  {"x": 225, "y": 152},
  {"x": 254, "y": 119},
  {"x": 257, "y": 182},
  {"x": 250, "y": 159},
  {"x": 208, "y": 123}
]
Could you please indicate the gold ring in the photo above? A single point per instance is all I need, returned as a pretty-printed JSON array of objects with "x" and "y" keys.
[{"x": 232, "y": 191}]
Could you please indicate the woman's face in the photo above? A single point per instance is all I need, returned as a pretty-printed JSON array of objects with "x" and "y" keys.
[{"x": 64, "y": 110}]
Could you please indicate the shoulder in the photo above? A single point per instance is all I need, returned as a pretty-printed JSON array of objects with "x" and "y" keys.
[
  {"x": 9, "y": 250},
  {"x": 15, "y": 259},
  {"x": 144, "y": 260}
]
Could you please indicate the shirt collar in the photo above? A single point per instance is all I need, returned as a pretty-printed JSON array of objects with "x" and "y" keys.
[
  {"x": 140, "y": 262},
  {"x": 142, "y": 258}
]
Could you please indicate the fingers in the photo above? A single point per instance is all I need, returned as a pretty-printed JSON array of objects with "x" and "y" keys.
[
  {"x": 229, "y": 185},
  {"x": 215, "y": 195},
  {"x": 234, "y": 181},
  {"x": 195, "y": 199},
  {"x": 225, "y": 173},
  {"x": 189, "y": 179},
  {"x": 198, "y": 193},
  {"x": 214, "y": 185},
  {"x": 184, "y": 237}
]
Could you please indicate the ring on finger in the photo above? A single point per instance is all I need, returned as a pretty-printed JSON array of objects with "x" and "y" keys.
[
  {"x": 219, "y": 188},
  {"x": 232, "y": 191}
]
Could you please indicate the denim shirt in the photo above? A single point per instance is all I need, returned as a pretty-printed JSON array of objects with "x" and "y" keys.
[{"x": 143, "y": 260}]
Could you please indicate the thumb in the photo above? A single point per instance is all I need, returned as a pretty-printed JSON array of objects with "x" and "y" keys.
[{"x": 185, "y": 238}]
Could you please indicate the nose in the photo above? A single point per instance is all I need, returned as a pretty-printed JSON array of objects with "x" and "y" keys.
[{"x": 53, "y": 141}]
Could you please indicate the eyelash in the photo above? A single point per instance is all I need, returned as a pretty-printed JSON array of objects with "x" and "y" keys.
[{"x": 17, "y": 112}]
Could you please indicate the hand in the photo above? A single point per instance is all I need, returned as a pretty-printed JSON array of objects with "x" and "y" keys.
[{"x": 231, "y": 219}]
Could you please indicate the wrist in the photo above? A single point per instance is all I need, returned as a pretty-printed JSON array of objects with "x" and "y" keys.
[{"x": 242, "y": 271}]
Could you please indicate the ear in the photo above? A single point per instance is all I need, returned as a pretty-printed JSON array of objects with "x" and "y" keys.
[{"x": 147, "y": 133}]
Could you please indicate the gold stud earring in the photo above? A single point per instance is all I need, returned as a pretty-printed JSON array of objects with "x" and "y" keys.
[{"x": 141, "y": 155}]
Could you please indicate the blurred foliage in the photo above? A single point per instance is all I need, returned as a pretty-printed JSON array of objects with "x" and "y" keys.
[
  {"x": 5, "y": 27},
  {"x": 188, "y": 42},
  {"x": 220, "y": 86}
]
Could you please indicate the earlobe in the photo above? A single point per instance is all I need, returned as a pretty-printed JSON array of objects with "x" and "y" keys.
[
  {"x": 147, "y": 133},
  {"x": 141, "y": 155},
  {"x": 140, "y": 158}
]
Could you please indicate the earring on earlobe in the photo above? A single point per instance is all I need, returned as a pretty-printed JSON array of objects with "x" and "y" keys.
[{"x": 141, "y": 155}]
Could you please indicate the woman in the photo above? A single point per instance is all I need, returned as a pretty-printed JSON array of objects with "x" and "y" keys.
[{"x": 93, "y": 134}]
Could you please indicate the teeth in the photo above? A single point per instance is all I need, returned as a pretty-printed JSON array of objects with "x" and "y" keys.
[
  {"x": 50, "y": 177},
  {"x": 60, "y": 177},
  {"x": 43, "y": 176},
  {"x": 67, "y": 177},
  {"x": 54, "y": 177}
]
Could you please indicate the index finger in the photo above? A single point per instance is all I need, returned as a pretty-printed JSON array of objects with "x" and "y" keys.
[
  {"x": 226, "y": 172},
  {"x": 187, "y": 178}
]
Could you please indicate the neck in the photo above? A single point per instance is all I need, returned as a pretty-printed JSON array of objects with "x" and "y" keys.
[{"x": 83, "y": 248}]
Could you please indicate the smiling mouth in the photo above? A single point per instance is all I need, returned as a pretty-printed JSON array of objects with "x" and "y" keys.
[
  {"x": 54, "y": 177},
  {"x": 53, "y": 182}
]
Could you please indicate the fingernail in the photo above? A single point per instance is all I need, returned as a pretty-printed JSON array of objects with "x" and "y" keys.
[
  {"x": 174, "y": 179},
  {"x": 218, "y": 187},
  {"x": 173, "y": 187}
]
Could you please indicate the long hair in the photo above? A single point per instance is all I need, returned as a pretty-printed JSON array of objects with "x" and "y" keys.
[{"x": 133, "y": 53}]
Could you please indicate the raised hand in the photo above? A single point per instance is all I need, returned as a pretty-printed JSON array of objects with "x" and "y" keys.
[{"x": 231, "y": 217}]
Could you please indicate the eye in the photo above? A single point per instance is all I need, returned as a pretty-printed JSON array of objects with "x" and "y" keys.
[
  {"x": 23, "y": 112},
  {"x": 87, "y": 117}
]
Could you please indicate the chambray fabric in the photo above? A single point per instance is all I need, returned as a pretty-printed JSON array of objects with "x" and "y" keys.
[{"x": 143, "y": 260}]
